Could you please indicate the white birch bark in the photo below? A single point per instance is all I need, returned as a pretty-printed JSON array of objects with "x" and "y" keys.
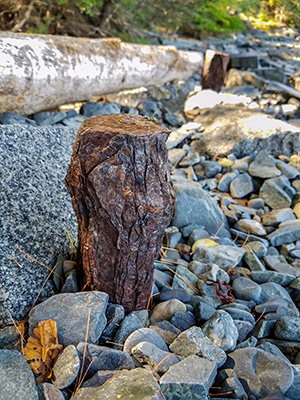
[{"x": 40, "y": 72}]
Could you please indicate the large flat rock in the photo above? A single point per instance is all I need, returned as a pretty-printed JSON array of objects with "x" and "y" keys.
[
  {"x": 234, "y": 128},
  {"x": 35, "y": 211}
]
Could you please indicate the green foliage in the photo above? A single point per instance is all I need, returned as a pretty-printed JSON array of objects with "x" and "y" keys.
[
  {"x": 88, "y": 6},
  {"x": 43, "y": 28},
  {"x": 215, "y": 16},
  {"x": 129, "y": 19},
  {"x": 285, "y": 11}
]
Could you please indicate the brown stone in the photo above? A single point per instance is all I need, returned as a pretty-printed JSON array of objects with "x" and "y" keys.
[
  {"x": 214, "y": 70},
  {"x": 123, "y": 199}
]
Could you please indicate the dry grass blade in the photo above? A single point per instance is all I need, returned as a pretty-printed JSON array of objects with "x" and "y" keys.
[
  {"x": 155, "y": 368},
  {"x": 46, "y": 280},
  {"x": 34, "y": 259},
  {"x": 84, "y": 287},
  {"x": 79, "y": 377},
  {"x": 168, "y": 240},
  {"x": 18, "y": 330},
  {"x": 236, "y": 238},
  {"x": 162, "y": 253},
  {"x": 72, "y": 244},
  {"x": 168, "y": 248}
]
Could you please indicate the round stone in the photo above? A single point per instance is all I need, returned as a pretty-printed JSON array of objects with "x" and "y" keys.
[
  {"x": 221, "y": 329},
  {"x": 66, "y": 367},
  {"x": 166, "y": 310},
  {"x": 144, "y": 335},
  {"x": 246, "y": 289}
]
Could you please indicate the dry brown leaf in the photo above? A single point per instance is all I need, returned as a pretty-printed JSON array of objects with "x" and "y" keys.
[
  {"x": 21, "y": 329},
  {"x": 43, "y": 349}
]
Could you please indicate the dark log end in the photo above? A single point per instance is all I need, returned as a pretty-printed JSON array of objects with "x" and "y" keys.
[
  {"x": 118, "y": 124},
  {"x": 123, "y": 199},
  {"x": 214, "y": 70}
]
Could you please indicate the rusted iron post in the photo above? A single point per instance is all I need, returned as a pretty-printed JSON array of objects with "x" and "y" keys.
[{"x": 123, "y": 199}]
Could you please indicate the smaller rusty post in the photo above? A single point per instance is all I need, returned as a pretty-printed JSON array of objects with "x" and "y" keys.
[
  {"x": 214, "y": 70},
  {"x": 123, "y": 199}
]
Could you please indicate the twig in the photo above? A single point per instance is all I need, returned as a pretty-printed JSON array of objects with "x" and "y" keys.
[{"x": 26, "y": 17}]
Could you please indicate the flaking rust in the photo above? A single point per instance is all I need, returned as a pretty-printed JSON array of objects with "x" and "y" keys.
[{"x": 123, "y": 199}]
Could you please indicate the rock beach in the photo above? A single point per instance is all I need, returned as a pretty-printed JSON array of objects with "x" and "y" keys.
[{"x": 224, "y": 310}]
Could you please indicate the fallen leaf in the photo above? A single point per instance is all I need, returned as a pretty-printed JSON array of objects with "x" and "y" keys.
[
  {"x": 295, "y": 158},
  {"x": 20, "y": 329},
  {"x": 42, "y": 350},
  {"x": 204, "y": 243},
  {"x": 225, "y": 162}
]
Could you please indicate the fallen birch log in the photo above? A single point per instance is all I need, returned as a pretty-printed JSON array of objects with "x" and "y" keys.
[{"x": 40, "y": 72}]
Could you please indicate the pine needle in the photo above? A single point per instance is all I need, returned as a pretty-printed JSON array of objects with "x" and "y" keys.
[
  {"x": 155, "y": 368},
  {"x": 79, "y": 378},
  {"x": 34, "y": 259},
  {"x": 16, "y": 262},
  {"x": 19, "y": 332},
  {"x": 186, "y": 282},
  {"x": 46, "y": 280}
]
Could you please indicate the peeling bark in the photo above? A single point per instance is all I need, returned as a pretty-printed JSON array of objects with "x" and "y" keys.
[{"x": 121, "y": 192}]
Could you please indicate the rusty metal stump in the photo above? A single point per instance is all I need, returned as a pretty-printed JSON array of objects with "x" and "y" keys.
[{"x": 123, "y": 199}]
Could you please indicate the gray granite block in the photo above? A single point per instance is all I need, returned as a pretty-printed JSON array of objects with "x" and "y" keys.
[
  {"x": 16, "y": 377},
  {"x": 35, "y": 211}
]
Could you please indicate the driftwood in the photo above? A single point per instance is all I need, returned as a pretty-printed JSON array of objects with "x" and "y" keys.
[
  {"x": 119, "y": 183},
  {"x": 39, "y": 72}
]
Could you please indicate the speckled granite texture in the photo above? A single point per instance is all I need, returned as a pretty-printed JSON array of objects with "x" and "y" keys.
[{"x": 35, "y": 211}]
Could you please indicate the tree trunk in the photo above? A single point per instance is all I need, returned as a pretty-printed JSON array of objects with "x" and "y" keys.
[
  {"x": 39, "y": 72},
  {"x": 106, "y": 13},
  {"x": 119, "y": 183}
]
